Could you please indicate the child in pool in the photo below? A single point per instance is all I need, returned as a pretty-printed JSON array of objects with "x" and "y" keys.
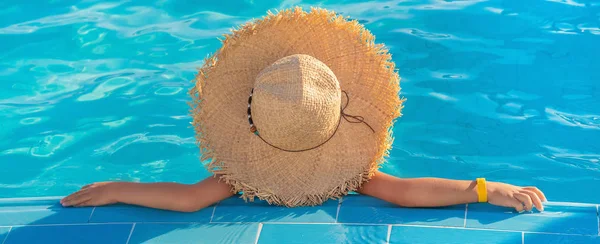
[{"x": 298, "y": 67}]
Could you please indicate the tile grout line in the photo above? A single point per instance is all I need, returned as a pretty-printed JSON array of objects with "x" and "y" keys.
[
  {"x": 522, "y": 237},
  {"x": 92, "y": 213},
  {"x": 260, "y": 225},
  {"x": 337, "y": 213},
  {"x": 415, "y": 225},
  {"x": 466, "y": 210},
  {"x": 75, "y": 224},
  {"x": 213, "y": 213},
  {"x": 130, "y": 233},
  {"x": 389, "y": 234},
  {"x": 7, "y": 234}
]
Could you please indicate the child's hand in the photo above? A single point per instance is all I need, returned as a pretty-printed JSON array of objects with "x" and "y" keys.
[
  {"x": 520, "y": 198},
  {"x": 96, "y": 194}
]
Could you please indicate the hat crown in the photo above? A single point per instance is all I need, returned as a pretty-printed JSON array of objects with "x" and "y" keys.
[{"x": 296, "y": 102}]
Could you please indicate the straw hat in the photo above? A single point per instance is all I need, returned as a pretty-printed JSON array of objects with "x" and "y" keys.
[{"x": 296, "y": 108}]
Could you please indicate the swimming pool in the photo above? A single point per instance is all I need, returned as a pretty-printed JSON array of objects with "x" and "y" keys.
[{"x": 97, "y": 90}]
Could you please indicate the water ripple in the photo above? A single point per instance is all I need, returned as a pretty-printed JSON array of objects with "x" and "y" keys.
[
  {"x": 573, "y": 158},
  {"x": 168, "y": 91},
  {"x": 78, "y": 16},
  {"x": 132, "y": 23},
  {"x": 143, "y": 138},
  {"x": 106, "y": 87},
  {"x": 56, "y": 87},
  {"x": 589, "y": 121},
  {"x": 568, "y": 2},
  {"x": 30, "y": 120},
  {"x": 50, "y": 144},
  {"x": 117, "y": 123},
  {"x": 424, "y": 34}
]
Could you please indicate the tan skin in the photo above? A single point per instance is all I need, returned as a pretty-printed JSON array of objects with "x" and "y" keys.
[{"x": 416, "y": 192}]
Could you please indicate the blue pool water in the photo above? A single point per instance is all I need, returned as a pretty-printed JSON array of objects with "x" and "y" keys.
[{"x": 97, "y": 90}]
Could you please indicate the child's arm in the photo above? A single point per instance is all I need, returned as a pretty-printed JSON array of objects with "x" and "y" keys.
[
  {"x": 169, "y": 196},
  {"x": 437, "y": 192}
]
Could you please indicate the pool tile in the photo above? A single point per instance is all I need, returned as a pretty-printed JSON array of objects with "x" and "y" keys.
[
  {"x": 531, "y": 238},
  {"x": 40, "y": 212},
  {"x": 424, "y": 235},
  {"x": 4, "y": 233},
  {"x": 363, "y": 209},
  {"x": 322, "y": 233},
  {"x": 194, "y": 233},
  {"x": 66, "y": 234},
  {"x": 567, "y": 219},
  {"x": 236, "y": 210},
  {"x": 129, "y": 214}
]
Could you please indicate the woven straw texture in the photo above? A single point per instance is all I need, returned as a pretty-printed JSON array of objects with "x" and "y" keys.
[
  {"x": 247, "y": 59},
  {"x": 296, "y": 103}
]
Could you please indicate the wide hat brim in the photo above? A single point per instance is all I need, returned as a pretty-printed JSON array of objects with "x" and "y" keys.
[{"x": 251, "y": 167}]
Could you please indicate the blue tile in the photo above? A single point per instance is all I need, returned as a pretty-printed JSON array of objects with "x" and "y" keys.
[
  {"x": 322, "y": 233},
  {"x": 194, "y": 233},
  {"x": 66, "y": 234},
  {"x": 362, "y": 209},
  {"x": 4, "y": 233},
  {"x": 40, "y": 211},
  {"x": 236, "y": 210},
  {"x": 423, "y": 235},
  {"x": 571, "y": 219},
  {"x": 129, "y": 213},
  {"x": 531, "y": 238}
]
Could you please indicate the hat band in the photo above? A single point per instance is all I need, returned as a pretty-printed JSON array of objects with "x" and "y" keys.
[{"x": 349, "y": 118}]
